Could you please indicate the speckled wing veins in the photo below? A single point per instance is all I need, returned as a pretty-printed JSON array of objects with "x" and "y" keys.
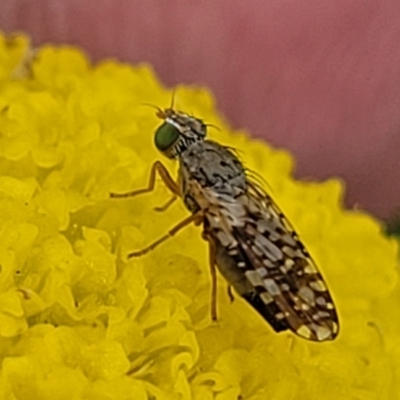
[
  {"x": 256, "y": 249},
  {"x": 251, "y": 242},
  {"x": 269, "y": 266}
]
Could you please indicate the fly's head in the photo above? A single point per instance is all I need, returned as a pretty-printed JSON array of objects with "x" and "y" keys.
[{"x": 178, "y": 132}]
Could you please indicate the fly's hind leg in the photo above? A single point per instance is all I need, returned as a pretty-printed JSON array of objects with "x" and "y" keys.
[
  {"x": 159, "y": 168},
  {"x": 230, "y": 293},
  {"x": 213, "y": 271}
]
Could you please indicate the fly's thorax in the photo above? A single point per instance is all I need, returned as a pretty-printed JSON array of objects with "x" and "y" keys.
[
  {"x": 209, "y": 172},
  {"x": 178, "y": 132},
  {"x": 213, "y": 165}
]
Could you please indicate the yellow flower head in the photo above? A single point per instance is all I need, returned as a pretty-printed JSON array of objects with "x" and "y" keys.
[{"x": 78, "y": 321}]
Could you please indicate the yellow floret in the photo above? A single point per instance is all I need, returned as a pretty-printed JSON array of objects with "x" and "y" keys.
[{"x": 78, "y": 321}]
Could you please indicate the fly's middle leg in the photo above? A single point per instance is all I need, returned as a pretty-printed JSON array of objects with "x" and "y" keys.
[{"x": 196, "y": 218}]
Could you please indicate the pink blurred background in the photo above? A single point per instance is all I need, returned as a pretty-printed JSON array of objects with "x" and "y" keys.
[{"x": 319, "y": 77}]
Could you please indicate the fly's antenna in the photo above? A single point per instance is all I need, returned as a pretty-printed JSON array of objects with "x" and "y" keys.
[
  {"x": 160, "y": 113},
  {"x": 213, "y": 126},
  {"x": 152, "y": 106},
  {"x": 171, "y": 107},
  {"x": 163, "y": 114}
]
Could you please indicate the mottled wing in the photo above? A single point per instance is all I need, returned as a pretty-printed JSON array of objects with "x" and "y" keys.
[
  {"x": 284, "y": 275},
  {"x": 256, "y": 249}
]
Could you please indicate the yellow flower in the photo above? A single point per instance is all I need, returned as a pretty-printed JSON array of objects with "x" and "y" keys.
[{"x": 79, "y": 322}]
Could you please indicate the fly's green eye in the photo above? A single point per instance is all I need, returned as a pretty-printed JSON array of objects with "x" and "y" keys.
[{"x": 166, "y": 135}]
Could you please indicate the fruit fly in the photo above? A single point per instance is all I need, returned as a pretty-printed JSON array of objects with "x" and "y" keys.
[{"x": 250, "y": 241}]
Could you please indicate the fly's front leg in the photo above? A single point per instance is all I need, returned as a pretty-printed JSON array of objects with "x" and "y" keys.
[
  {"x": 159, "y": 168},
  {"x": 194, "y": 218}
]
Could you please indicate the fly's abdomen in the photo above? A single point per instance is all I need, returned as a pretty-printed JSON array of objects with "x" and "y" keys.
[{"x": 233, "y": 268}]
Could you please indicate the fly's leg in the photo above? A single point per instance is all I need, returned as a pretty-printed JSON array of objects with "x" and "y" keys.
[
  {"x": 194, "y": 218},
  {"x": 230, "y": 293},
  {"x": 159, "y": 168},
  {"x": 167, "y": 204},
  {"x": 213, "y": 271}
]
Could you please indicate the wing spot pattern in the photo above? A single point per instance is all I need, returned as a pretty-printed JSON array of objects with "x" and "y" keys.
[{"x": 272, "y": 287}]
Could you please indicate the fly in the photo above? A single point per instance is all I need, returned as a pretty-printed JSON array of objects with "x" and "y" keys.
[{"x": 250, "y": 241}]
